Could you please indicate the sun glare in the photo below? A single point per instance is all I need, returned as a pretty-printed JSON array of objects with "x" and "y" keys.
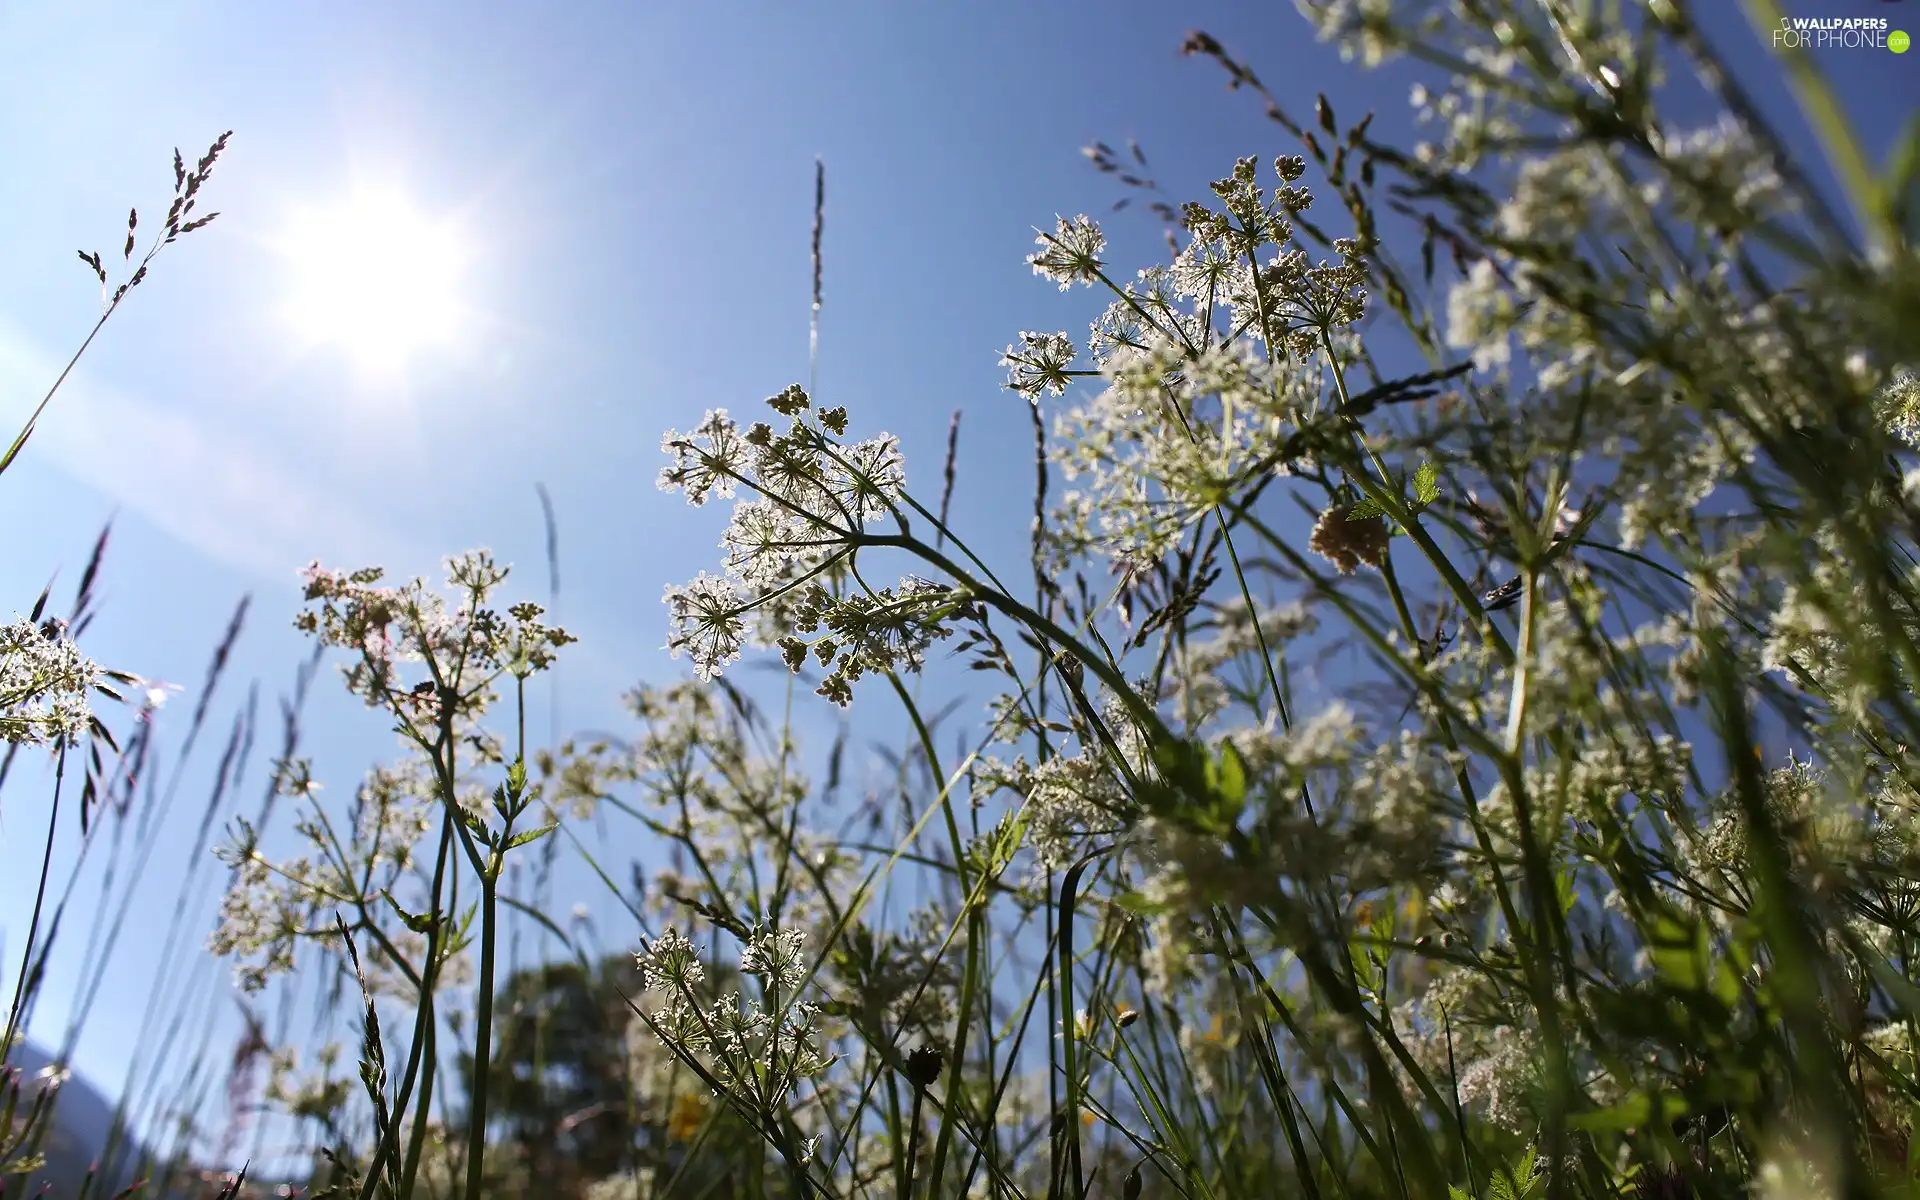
[{"x": 374, "y": 278}]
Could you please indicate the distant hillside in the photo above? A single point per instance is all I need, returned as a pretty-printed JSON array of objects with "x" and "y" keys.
[{"x": 83, "y": 1119}]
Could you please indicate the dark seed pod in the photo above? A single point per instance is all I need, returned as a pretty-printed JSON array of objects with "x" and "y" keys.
[{"x": 923, "y": 1066}]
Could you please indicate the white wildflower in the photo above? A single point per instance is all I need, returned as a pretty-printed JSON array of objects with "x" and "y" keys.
[
  {"x": 44, "y": 681},
  {"x": 1040, "y": 365},
  {"x": 776, "y": 956},
  {"x": 1071, "y": 254},
  {"x": 708, "y": 622},
  {"x": 707, "y": 461}
]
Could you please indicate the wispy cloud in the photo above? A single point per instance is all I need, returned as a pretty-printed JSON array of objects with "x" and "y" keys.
[{"x": 229, "y": 494}]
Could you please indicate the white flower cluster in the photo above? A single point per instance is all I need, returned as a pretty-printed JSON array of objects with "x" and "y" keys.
[
  {"x": 756, "y": 1049},
  {"x": 1828, "y": 640},
  {"x": 1191, "y": 413},
  {"x": 1170, "y": 436},
  {"x": 1071, "y": 254},
  {"x": 1040, "y": 364},
  {"x": 1818, "y": 828},
  {"x": 1072, "y": 799},
  {"x": 44, "y": 682},
  {"x": 319, "y": 1095},
  {"x": 1727, "y": 180},
  {"x": 790, "y": 546},
  {"x": 467, "y": 641},
  {"x": 1898, "y": 401},
  {"x": 265, "y": 912},
  {"x": 634, "y": 1184},
  {"x": 1365, "y": 29},
  {"x": 364, "y": 868},
  {"x": 1461, "y": 1022}
]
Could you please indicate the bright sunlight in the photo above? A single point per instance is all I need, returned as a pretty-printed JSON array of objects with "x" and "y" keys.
[{"x": 375, "y": 278}]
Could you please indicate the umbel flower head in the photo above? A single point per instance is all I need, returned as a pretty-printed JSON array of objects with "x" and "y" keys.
[
  {"x": 1070, "y": 254},
  {"x": 44, "y": 680},
  {"x": 1347, "y": 544}
]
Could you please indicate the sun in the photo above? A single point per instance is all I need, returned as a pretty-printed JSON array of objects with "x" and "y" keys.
[{"x": 375, "y": 279}]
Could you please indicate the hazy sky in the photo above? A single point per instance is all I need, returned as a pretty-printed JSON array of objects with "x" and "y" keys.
[{"x": 626, "y": 190}]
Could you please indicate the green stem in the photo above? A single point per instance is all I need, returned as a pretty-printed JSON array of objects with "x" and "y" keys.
[
  {"x": 482, "y": 1036},
  {"x": 1136, "y": 707},
  {"x": 425, "y": 1022}
]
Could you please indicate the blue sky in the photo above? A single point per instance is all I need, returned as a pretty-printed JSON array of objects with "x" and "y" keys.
[{"x": 633, "y": 186}]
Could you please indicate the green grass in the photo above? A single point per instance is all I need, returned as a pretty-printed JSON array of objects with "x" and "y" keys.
[{"x": 1514, "y": 907}]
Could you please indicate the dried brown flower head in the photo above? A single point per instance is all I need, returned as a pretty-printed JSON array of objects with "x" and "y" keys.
[{"x": 1347, "y": 544}]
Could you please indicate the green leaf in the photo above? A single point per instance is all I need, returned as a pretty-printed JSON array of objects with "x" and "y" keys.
[
  {"x": 1230, "y": 776},
  {"x": 1725, "y": 984},
  {"x": 1140, "y": 904},
  {"x": 462, "y": 934},
  {"x": 476, "y": 826},
  {"x": 1426, "y": 484},
  {"x": 1224, "y": 778},
  {"x": 1901, "y": 992},
  {"x": 1184, "y": 771},
  {"x": 1366, "y": 508},
  {"x": 531, "y": 835},
  {"x": 1368, "y": 971},
  {"x": 419, "y": 924},
  {"x": 1678, "y": 949},
  {"x": 1522, "y": 1181},
  {"x": 1004, "y": 842}
]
